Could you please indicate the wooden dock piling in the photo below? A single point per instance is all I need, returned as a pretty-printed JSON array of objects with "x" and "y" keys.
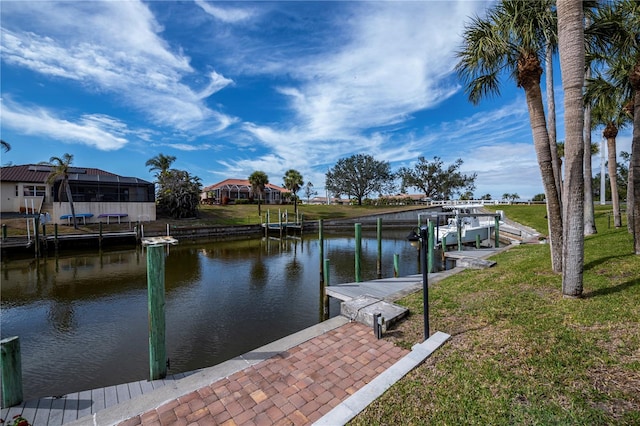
[
  {"x": 358, "y": 227},
  {"x": 155, "y": 286},
  {"x": 11, "y": 371}
]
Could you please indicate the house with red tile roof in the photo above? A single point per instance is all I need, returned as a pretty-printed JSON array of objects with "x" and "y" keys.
[
  {"x": 97, "y": 194},
  {"x": 230, "y": 190}
]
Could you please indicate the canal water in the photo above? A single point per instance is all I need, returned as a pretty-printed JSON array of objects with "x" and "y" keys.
[{"x": 82, "y": 317}]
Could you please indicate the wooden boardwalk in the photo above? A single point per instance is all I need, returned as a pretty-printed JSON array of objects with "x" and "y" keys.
[{"x": 54, "y": 411}]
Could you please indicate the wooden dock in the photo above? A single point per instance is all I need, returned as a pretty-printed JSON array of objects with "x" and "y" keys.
[{"x": 55, "y": 411}]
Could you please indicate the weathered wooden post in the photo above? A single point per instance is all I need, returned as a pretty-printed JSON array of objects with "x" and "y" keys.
[
  {"x": 396, "y": 262},
  {"x": 321, "y": 242},
  {"x": 100, "y": 235},
  {"x": 459, "y": 228},
  {"x": 325, "y": 296},
  {"x": 155, "y": 287},
  {"x": 477, "y": 241},
  {"x": 11, "y": 371},
  {"x": 358, "y": 227},
  {"x": 430, "y": 248},
  {"x": 280, "y": 222},
  {"x": 497, "y": 230},
  {"x": 36, "y": 234},
  {"x": 4, "y": 231},
  {"x": 379, "y": 262},
  {"x": 55, "y": 236}
]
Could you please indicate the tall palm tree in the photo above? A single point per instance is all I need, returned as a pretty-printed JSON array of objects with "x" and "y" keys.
[
  {"x": 572, "y": 64},
  {"x": 293, "y": 182},
  {"x": 160, "y": 163},
  {"x": 258, "y": 181},
  {"x": 589, "y": 211},
  {"x": 5, "y": 146},
  {"x": 60, "y": 171},
  {"x": 607, "y": 110},
  {"x": 616, "y": 42},
  {"x": 511, "y": 39}
]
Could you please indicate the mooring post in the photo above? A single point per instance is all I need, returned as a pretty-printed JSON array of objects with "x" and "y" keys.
[
  {"x": 430, "y": 248},
  {"x": 4, "y": 231},
  {"x": 396, "y": 262},
  {"x": 497, "y": 229},
  {"x": 321, "y": 242},
  {"x": 477, "y": 241},
  {"x": 155, "y": 287},
  {"x": 327, "y": 283},
  {"x": 100, "y": 235},
  {"x": 459, "y": 228},
  {"x": 36, "y": 234},
  {"x": 358, "y": 227},
  {"x": 280, "y": 222},
  {"x": 379, "y": 263},
  {"x": 266, "y": 225},
  {"x": 55, "y": 235},
  {"x": 11, "y": 371}
]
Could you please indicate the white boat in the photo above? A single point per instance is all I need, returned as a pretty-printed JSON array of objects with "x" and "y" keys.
[{"x": 462, "y": 220}]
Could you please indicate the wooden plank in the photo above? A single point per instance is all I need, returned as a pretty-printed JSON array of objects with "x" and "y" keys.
[
  {"x": 29, "y": 410},
  {"x": 122, "y": 392},
  {"x": 44, "y": 408},
  {"x": 146, "y": 386},
  {"x": 85, "y": 403},
  {"x": 56, "y": 413},
  {"x": 98, "y": 397},
  {"x": 110, "y": 396},
  {"x": 135, "y": 389},
  {"x": 71, "y": 408}
]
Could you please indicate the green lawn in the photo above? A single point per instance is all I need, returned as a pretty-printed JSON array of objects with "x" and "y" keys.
[{"x": 520, "y": 353}]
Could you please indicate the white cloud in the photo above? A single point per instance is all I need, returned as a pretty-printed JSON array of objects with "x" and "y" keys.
[
  {"x": 226, "y": 14},
  {"x": 114, "y": 47},
  {"x": 95, "y": 130}
]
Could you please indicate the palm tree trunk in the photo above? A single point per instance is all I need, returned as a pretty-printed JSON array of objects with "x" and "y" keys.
[
  {"x": 571, "y": 45},
  {"x": 613, "y": 180},
  {"x": 634, "y": 165},
  {"x": 589, "y": 213},
  {"x": 543, "y": 153},
  {"x": 70, "y": 198},
  {"x": 551, "y": 119}
]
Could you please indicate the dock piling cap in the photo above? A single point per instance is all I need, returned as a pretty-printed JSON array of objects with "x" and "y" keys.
[{"x": 157, "y": 241}]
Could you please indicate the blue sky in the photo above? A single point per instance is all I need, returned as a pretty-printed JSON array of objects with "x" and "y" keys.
[{"x": 233, "y": 87}]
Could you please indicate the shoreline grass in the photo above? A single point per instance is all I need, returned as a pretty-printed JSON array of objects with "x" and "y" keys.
[{"x": 520, "y": 353}]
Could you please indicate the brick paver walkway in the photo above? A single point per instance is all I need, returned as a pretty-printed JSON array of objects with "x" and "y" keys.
[{"x": 295, "y": 387}]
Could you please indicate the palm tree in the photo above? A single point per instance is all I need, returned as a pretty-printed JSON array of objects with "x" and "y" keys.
[
  {"x": 60, "y": 171},
  {"x": 607, "y": 110},
  {"x": 5, "y": 146},
  {"x": 258, "y": 180},
  {"x": 572, "y": 64},
  {"x": 293, "y": 182},
  {"x": 616, "y": 43},
  {"x": 511, "y": 40},
  {"x": 160, "y": 163}
]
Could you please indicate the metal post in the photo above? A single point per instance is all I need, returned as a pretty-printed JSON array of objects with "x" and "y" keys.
[
  {"x": 430, "y": 252},
  {"x": 396, "y": 261},
  {"x": 425, "y": 280},
  {"x": 379, "y": 262},
  {"x": 11, "y": 371},
  {"x": 358, "y": 227},
  {"x": 325, "y": 296},
  {"x": 321, "y": 242},
  {"x": 497, "y": 230},
  {"x": 155, "y": 287}
]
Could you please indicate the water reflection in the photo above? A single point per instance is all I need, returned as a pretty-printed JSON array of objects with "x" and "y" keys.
[{"x": 82, "y": 317}]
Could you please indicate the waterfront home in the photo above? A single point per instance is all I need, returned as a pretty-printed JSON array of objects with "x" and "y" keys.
[
  {"x": 97, "y": 195},
  {"x": 232, "y": 190}
]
